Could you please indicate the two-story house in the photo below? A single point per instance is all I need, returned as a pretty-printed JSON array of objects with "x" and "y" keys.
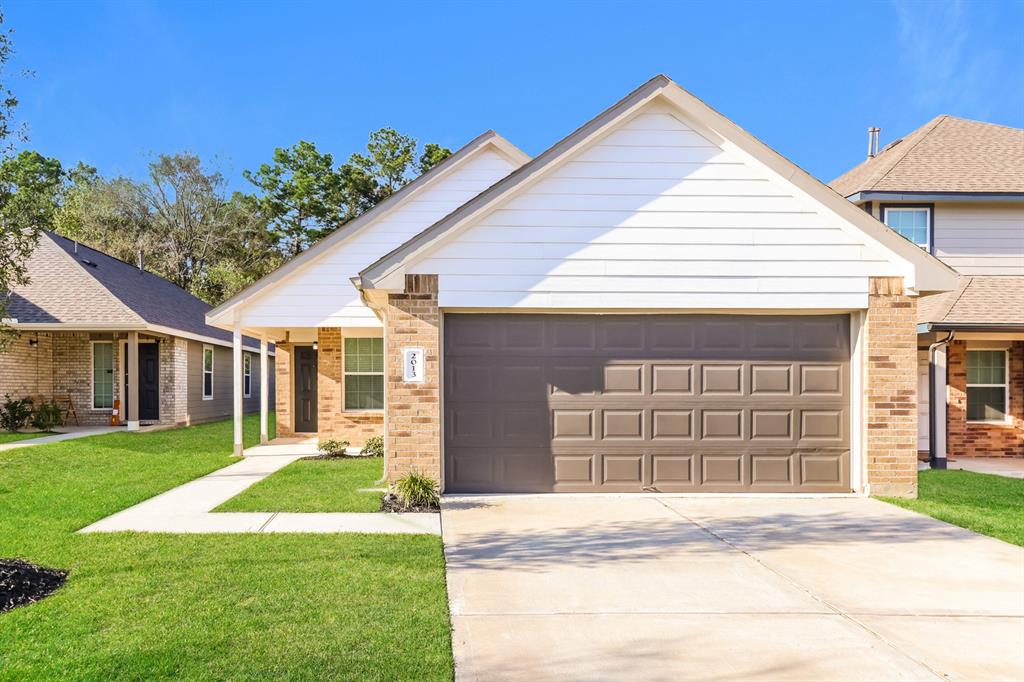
[{"x": 955, "y": 187}]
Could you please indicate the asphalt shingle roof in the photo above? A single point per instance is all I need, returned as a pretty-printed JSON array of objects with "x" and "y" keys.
[
  {"x": 947, "y": 154},
  {"x": 994, "y": 299},
  {"x": 81, "y": 285}
]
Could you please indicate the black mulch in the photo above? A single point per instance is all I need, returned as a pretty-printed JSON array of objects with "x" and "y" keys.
[
  {"x": 391, "y": 503},
  {"x": 25, "y": 583}
]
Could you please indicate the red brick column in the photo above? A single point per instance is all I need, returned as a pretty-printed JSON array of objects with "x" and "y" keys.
[
  {"x": 413, "y": 431},
  {"x": 890, "y": 389}
]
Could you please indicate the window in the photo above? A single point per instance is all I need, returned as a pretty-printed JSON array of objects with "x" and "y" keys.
[
  {"x": 986, "y": 386},
  {"x": 102, "y": 375},
  {"x": 914, "y": 223},
  {"x": 364, "y": 374},
  {"x": 207, "y": 372},
  {"x": 247, "y": 375}
]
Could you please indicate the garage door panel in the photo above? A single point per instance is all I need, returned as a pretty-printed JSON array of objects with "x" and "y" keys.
[{"x": 629, "y": 403}]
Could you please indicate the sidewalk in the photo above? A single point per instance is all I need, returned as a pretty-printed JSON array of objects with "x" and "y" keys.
[
  {"x": 188, "y": 508},
  {"x": 71, "y": 433}
]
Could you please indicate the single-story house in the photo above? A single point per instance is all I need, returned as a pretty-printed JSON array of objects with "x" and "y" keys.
[
  {"x": 955, "y": 188},
  {"x": 658, "y": 302},
  {"x": 119, "y": 344}
]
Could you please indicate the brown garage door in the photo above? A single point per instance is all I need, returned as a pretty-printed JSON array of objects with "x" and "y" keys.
[{"x": 671, "y": 403}]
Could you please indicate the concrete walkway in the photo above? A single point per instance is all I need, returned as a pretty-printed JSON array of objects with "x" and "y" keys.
[
  {"x": 67, "y": 433},
  {"x": 188, "y": 508},
  {"x": 1011, "y": 467},
  {"x": 670, "y": 588}
]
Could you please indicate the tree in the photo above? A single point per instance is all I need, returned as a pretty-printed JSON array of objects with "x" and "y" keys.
[
  {"x": 17, "y": 238},
  {"x": 305, "y": 198},
  {"x": 302, "y": 195}
]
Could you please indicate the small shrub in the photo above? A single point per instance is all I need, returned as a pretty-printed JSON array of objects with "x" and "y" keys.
[
  {"x": 418, "y": 491},
  {"x": 332, "y": 448},
  {"x": 46, "y": 416},
  {"x": 15, "y": 413},
  {"x": 374, "y": 447}
]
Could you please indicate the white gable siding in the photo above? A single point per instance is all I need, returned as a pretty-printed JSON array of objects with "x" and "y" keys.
[
  {"x": 980, "y": 239},
  {"x": 321, "y": 293},
  {"x": 654, "y": 215}
]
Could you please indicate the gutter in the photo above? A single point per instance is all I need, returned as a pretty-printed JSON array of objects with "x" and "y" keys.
[
  {"x": 934, "y": 460},
  {"x": 870, "y": 195},
  {"x": 970, "y": 327}
]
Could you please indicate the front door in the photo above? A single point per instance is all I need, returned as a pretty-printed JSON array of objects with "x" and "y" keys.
[
  {"x": 149, "y": 382},
  {"x": 305, "y": 389}
]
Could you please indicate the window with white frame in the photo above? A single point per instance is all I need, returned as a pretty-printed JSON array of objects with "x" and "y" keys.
[
  {"x": 987, "y": 386},
  {"x": 207, "y": 372},
  {"x": 247, "y": 375},
  {"x": 102, "y": 375},
  {"x": 364, "y": 373},
  {"x": 914, "y": 223}
]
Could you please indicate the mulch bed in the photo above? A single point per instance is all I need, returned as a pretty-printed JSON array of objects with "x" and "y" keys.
[
  {"x": 24, "y": 583},
  {"x": 391, "y": 503}
]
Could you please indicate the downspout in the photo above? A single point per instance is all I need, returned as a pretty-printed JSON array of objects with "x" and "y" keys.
[{"x": 934, "y": 461}]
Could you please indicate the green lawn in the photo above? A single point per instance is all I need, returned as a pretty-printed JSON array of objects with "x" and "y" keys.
[
  {"x": 8, "y": 437},
  {"x": 315, "y": 485},
  {"x": 241, "y": 607},
  {"x": 992, "y": 505}
]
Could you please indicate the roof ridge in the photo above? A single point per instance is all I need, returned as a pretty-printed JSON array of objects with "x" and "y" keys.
[{"x": 81, "y": 266}]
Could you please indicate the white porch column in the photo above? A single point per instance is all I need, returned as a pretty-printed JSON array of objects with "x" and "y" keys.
[
  {"x": 264, "y": 392},
  {"x": 236, "y": 374},
  {"x": 132, "y": 391},
  {"x": 937, "y": 408}
]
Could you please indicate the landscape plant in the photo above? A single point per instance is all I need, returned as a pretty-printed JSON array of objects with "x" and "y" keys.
[
  {"x": 46, "y": 416},
  {"x": 374, "y": 447},
  {"x": 332, "y": 448},
  {"x": 417, "y": 491},
  {"x": 15, "y": 413}
]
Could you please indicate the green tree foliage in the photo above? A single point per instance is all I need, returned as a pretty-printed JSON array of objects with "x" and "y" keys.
[
  {"x": 305, "y": 197},
  {"x": 17, "y": 237}
]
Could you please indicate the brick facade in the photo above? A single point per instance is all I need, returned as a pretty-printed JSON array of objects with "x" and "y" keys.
[
  {"x": 26, "y": 368},
  {"x": 890, "y": 389},
  {"x": 332, "y": 419},
  {"x": 413, "y": 440},
  {"x": 967, "y": 439},
  {"x": 283, "y": 389},
  {"x": 174, "y": 381}
]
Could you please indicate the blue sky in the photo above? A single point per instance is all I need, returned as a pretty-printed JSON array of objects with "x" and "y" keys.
[{"x": 116, "y": 82}]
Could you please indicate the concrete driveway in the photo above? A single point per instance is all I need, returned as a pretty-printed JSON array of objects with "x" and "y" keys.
[{"x": 669, "y": 588}]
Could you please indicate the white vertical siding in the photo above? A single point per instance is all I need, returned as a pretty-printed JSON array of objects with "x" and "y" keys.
[
  {"x": 321, "y": 293},
  {"x": 654, "y": 215},
  {"x": 981, "y": 238}
]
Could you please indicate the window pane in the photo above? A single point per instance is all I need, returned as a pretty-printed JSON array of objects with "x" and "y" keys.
[
  {"x": 364, "y": 392},
  {"x": 986, "y": 403},
  {"x": 102, "y": 375},
  {"x": 911, "y": 223},
  {"x": 986, "y": 367},
  {"x": 364, "y": 355},
  {"x": 207, "y": 384},
  {"x": 208, "y": 360}
]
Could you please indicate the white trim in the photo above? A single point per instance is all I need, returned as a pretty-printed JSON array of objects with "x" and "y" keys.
[
  {"x": 246, "y": 375},
  {"x": 202, "y": 370},
  {"x": 1007, "y": 412},
  {"x": 858, "y": 474},
  {"x": 345, "y": 374},
  {"x": 92, "y": 375},
  {"x": 154, "y": 328},
  {"x": 927, "y": 246}
]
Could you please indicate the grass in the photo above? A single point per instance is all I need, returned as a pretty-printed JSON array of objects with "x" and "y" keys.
[
  {"x": 8, "y": 437},
  {"x": 987, "y": 504},
  {"x": 315, "y": 485},
  {"x": 240, "y": 607}
]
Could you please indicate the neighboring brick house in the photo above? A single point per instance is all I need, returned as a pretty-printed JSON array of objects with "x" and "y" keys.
[
  {"x": 84, "y": 313},
  {"x": 955, "y": 188},
  {"x": 659, "y": 302}
]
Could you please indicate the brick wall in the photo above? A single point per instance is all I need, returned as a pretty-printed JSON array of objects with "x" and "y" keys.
[
  {"x": 26, "y": 370},
  {"x": 966, "y": 439},
  {"x": 283, "y": 389},
  {"x": 890, "y": 389},
  {"x": 413, "y": 434},
  {"x": 173, "y": 381},
  {"x": 332, "y": 420}
]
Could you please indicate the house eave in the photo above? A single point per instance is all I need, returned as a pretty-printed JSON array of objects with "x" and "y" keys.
[{"x": 952, "y": 197}]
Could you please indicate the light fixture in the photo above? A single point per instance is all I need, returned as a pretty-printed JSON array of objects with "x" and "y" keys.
[
  {"x": 314, "y": 345},
  {"x": 33, "y": 342}
]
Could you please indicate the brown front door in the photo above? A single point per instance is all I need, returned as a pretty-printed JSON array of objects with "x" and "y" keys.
[
  {"x": 670, "y": 403},
  {"x": 305, "y": 389}
]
